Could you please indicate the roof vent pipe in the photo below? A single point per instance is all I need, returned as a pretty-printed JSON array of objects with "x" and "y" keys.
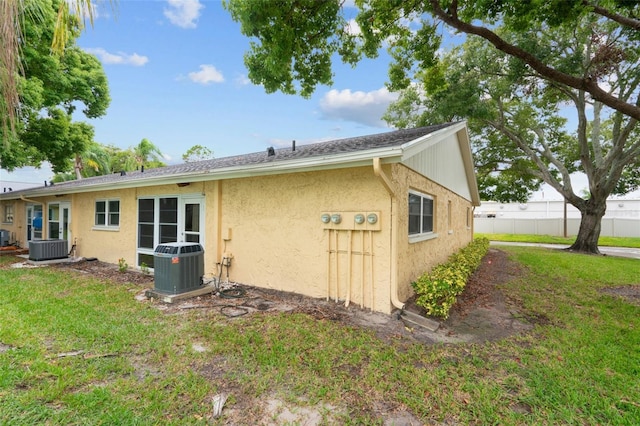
[
  {"x": 141, "y": 169},
  {"x": 271, "y": 152},
  {"x": 45, "y": 183},
  {"x": 123, "y": 173},
  {"x": 293, "y": 145}
]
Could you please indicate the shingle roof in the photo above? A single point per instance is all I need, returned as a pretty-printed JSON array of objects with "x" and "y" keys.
[{"x": 333, "y": 148}]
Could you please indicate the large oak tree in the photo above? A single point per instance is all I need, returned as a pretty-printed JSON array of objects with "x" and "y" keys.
[
  {"x": 293, "y": 44},
  {"x": 527, "y": 130}
]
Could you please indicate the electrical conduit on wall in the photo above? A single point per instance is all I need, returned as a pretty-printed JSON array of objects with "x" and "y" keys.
[{"x": 333, "y": 257}]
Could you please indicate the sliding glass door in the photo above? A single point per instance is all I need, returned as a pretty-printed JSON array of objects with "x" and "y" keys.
[{"x": 168, "y": 220}]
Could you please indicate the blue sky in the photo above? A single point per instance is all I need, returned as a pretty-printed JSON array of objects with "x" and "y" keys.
[{"x": 176, "y": 77}]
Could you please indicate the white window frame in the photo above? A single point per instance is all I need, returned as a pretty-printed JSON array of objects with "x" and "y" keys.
[
  {"x": 108, "y": 226},
  {"x": 181, "y": 234},
  {"x": 423, "y": 235},
  {"x": 7, "y": 214}
]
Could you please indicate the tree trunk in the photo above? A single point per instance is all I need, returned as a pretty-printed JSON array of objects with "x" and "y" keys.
[
  {"x": 590, "y": 225},
  {"x": 77, "y": 166}
]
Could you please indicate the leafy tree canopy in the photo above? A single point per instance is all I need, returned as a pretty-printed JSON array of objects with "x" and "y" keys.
[
  {"x": 98, "y": 159},
  {"x": 296, "y": 40},
  {"x": 517, "y": 118},
  {"x": 50, "y": 90},
  {"x": 536, "y": 58}
]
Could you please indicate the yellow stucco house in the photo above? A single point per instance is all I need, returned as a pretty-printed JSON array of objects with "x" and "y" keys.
[{"x": 355, "y": 220}]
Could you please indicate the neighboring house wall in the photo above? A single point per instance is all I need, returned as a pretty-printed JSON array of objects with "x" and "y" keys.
[
  {"x": 18, "y": 228},
  {"x": 452, "y": 228},
  {"x": 110, "y": 243}
]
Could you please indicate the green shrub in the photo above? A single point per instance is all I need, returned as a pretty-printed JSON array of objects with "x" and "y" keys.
[{"x": 437, "y": 290}]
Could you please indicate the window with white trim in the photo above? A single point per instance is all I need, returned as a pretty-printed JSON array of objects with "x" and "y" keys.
[
  {"x": 420, "y": 214},
  {"x": 8, "y": 214},
  {"x": 157, "y": 224},
  {"x": 107, "y": 213}
]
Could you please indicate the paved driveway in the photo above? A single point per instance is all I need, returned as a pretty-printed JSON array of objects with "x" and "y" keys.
[{"x": 633, "y": 253}]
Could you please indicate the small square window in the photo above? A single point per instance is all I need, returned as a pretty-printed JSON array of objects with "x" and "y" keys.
[
  {"x": 8, "y": 214},
  {"x": 107, "y": 213}
]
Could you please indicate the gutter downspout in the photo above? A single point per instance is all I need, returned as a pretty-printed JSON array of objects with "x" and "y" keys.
[
  {"x": 388, "y": 185},
  {"x": 22, "y": 197}
]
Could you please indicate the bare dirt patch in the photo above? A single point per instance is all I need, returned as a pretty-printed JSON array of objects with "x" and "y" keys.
[
  {"x": 481, "y": 312},
  {"x": 629, "y": 293}
]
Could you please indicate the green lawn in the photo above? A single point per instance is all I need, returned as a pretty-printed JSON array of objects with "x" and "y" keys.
[
  {"x": 630, "y": 242},
  {"x": 579, "y": 365}
]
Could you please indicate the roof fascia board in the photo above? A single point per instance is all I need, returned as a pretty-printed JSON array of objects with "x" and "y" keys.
[
  {"x": 469, "y": 168},
  {"x": 339, "y": 161},
  {"x": 413, "y": 147}
]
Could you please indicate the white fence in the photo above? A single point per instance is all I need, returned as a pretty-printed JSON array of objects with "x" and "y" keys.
[{"x": 611, "y": 227}]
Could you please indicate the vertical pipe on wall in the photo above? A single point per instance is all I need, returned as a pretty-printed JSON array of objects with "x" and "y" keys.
[
  {"x": 218, "y": 254},
  {"x": 347, "y": 299},
  {"x": 337, "y": 266},
  {"x": 328, "y": 264},
  {"x": 373, "y": 287},
  {"x": 362, "y": 257}
]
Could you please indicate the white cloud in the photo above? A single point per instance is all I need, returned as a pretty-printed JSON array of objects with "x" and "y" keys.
[
  {"x": 242, "y": 80},
  {"x": 119, "y": 58},
  {"x": 353, "y": 28},
  {"x": 183, "y": 13},
  {"x": 207, "y": 74},
  {"x": 360, "y": 107}
]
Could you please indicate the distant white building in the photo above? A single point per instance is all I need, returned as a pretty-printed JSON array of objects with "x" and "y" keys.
[
  {"x": 616, "y": 208},
  {"x": 622, "y": 218}
]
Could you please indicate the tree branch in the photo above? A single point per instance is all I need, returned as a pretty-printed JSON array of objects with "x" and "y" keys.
[
  {"x": 622, "y": 20},
  {"x": 595, "y": 134},
  {"x": 586, "y": 83},
  {"x": 544, "y": 172}
]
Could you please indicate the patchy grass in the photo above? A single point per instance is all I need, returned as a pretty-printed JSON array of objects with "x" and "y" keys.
[
  {"x": 138, "y": 366},
  {"x": 630, "y": 242}
]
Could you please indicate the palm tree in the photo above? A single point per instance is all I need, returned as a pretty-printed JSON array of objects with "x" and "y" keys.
[
  {"x": 10, "y": 35},
  {"x": 94, "y": 161},
  {"x": 146, "y": 153}
]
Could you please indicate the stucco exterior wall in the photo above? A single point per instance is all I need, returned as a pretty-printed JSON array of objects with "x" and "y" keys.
[
  {"x": 414, "y": 258},
  {"x": 278, "y": 240},
  {"x": 109, "y": 245},
  {"x": 271, "y": 226}
]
